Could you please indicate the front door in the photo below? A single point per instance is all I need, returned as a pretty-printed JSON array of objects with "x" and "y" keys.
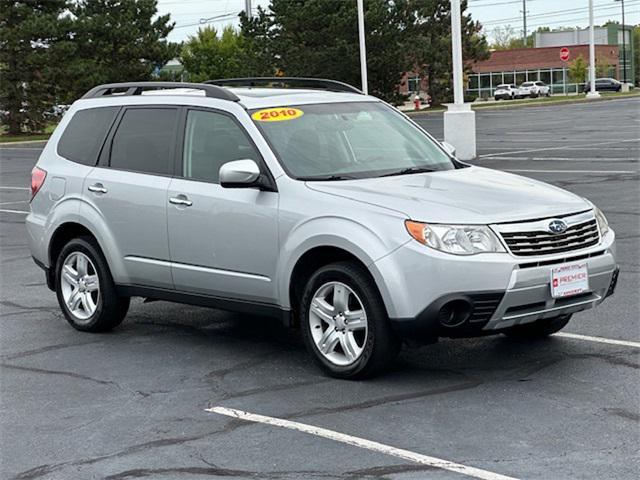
[{"x": 223, "y": 241}]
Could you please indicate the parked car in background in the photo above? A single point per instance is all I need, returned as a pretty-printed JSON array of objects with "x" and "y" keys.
[
  {"x": 56, "y": 111},
  {"x": 603, "y": 85},
  {"x": 533, "y": 90},
  {"x": 506, "y": 91}
]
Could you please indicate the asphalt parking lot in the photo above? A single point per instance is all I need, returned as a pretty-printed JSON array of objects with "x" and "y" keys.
[{"x": 148, "y": 400}]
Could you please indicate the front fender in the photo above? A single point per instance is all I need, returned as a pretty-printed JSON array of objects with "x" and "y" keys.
[{"x": 332, "y": 231}]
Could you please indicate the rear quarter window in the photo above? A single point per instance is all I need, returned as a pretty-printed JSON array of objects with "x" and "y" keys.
[{"x": 81, "y": 140}]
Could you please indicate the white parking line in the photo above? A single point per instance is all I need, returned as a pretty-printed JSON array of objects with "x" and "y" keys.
[
  {"x": 20, "y": 148},
  {"x": 9, "y": 203},
  {"x": 361, "y": 443},
  {"x": 15, "y": 188},
  {"x": 569, "y": 171},
  {"x": 609, "y": 341},
  {"x": 565, "y": 159},
  {"x": 565, "y": 147},
  {"x": 22, "y": 142},
  {"x": 14, "y": 211},
  {"x": 568, "y": 147}
]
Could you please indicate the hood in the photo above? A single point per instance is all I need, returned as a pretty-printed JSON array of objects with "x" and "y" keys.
[{"x": 472, "y": 195}]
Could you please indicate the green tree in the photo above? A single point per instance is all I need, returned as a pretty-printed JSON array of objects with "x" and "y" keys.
[
  {"x": 578, "y": 69},
  {"x": 34, "y": 45},
  {"x": 319, "y": 38},
  {"x": 603, "y": 67},
  {"x": 430, "y": 36},
  {"x": 258, "y": 55},
  {"x": 207, "y": 55},
  {"x": 118, "y": 40}
]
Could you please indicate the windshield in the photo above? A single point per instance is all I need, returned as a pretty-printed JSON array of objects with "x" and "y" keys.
[
  {"x": 502, "y": 87},
  {"x": 337, "y": 141}
]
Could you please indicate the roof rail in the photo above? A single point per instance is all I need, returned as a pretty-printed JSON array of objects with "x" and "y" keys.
[
  {"x": 286, "y": 82},
  {"x": 136, "y": 88}
]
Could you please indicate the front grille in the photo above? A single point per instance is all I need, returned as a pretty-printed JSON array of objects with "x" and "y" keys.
[
  {"x": 557, "y": 261},
  {"x": 576, "y": 237}
]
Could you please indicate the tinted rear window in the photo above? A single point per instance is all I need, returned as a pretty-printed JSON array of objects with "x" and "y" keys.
[
  {"x": 85, "y": 133},
  {"x": 144, "y": 141}
]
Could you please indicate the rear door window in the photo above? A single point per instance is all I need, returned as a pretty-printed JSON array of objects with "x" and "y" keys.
[
  {"x": 81, "y": 140},
  {"x": 145, "y": 141}
]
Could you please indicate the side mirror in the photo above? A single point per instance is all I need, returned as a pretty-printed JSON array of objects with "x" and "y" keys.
[
  {"x": 240, "y": 174},
  {"x": 450, "y": 149}
]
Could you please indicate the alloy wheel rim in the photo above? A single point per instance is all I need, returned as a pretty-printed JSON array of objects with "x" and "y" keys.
[
  {"x": 338, "y": 322},
  {"x": 80, "y": 286}
]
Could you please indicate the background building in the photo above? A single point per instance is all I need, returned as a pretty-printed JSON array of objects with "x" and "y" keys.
[
  {"x": 543, "y": 61},
  {"x": 610, "y": 34}
]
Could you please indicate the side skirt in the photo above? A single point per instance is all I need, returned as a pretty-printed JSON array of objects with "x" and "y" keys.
[{"x": 229, "y": 304}]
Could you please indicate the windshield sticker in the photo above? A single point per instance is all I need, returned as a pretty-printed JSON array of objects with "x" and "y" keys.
[{"x": 277, "y": 114}]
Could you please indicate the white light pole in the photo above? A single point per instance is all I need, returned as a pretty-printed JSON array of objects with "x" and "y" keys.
[
  {"x": 363, "y": 47},
  {"x": 456, "y": 50},
  {"x": 459, "y": 119},
  {"x": 592, "y": 56},
  {"x": 247, "y": 8}
]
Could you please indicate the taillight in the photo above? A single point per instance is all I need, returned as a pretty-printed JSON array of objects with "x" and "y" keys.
[{"x": 37, "y": 180}]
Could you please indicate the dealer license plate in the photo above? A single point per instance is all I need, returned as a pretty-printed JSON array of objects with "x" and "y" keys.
[{"x": 569, "y": 279}]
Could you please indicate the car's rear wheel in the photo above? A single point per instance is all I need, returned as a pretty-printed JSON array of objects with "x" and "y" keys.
[
  {"x": 85, "y": 290},
  {"x": 345, "y": 324},
  {"x": 538, "y": 329}
]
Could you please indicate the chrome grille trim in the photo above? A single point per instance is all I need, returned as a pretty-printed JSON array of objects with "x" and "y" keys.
[{"x": 533, "y": 239}]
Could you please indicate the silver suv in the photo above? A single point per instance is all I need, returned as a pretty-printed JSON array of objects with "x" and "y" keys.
[{"x": 309, "y": 201}]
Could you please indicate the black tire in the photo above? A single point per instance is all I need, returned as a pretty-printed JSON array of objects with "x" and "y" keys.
[
  {"x": 381, "y": 345},
  {"x": 539, "y": 329},
  {"x": 110, "y": 308}
]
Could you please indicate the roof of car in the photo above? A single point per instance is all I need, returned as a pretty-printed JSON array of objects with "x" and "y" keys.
[
  {"x": 275, "y": 97},
  {"x": 248, "y": 96}
]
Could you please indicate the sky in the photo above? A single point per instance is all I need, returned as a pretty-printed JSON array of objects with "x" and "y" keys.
[{"x": 190, "y": 14}]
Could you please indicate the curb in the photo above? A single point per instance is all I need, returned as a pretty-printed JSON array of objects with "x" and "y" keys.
[{"x": 532, "y": 103}]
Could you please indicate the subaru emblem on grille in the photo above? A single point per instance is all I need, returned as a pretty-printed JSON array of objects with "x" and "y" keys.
[{"x": 558, "y": 226}]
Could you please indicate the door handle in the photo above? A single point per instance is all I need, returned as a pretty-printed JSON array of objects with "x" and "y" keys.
[
  {"x": 180, "y": 200},
  {"x": 97, "y": 188}
]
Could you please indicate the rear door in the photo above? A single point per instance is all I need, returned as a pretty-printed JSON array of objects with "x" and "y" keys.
[
  {"x": 223, "y": 241},
  {"x": 129, "y": 190}
]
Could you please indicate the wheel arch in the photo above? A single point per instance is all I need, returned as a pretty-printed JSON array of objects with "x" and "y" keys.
[
  {"x": 310, "y": 261},
  {"x": 76, "y": 226}
]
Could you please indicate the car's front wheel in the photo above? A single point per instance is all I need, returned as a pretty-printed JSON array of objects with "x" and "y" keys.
[
  {"x": 345, "y": 324},
  {"x": 85, "y": 290},
  {"x": 538, "y": 329}
]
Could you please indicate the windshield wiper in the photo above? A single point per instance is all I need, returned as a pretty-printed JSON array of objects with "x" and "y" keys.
[
  {"x": 328, "y": 178},
  {"x": 406, "y": 171}
]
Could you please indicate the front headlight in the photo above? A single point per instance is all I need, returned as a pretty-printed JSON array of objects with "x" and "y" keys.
[
  {"x": 603, "y": 225},
  {"x": 456, "y": 239}
]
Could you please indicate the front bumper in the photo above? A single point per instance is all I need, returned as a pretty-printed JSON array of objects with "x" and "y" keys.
[{"x": 502, "y": 289}]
